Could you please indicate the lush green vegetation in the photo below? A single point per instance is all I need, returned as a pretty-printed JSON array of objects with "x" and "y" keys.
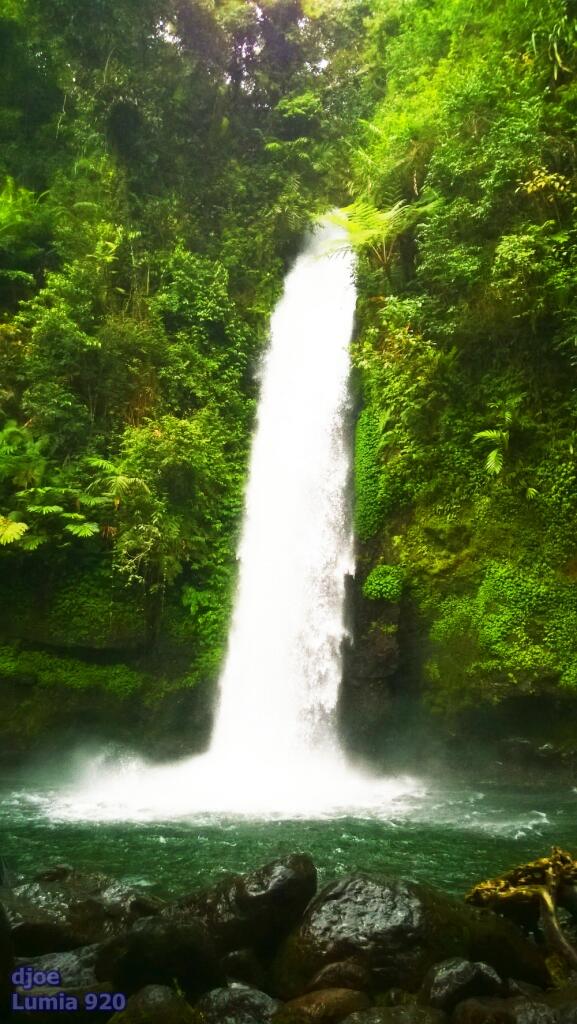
[
  {"x": 466, "y": 214},
  {"x": 159, "y": 160}
]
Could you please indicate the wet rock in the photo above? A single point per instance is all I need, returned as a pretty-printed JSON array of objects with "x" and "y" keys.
[
  {"x": 62, "y": 909},
  {"x": 6, "y": 962},
  {"x": 78, "y": 978},
  {"x": 76, "y": 968},
  {"x": 43, "y": 1013},
  {"x": 343, "y": 974},
  {"x": 329, "y": 1006},
  {"x": 243, "y": 965},
  {"x": 55, "y": 873},
  {"x": 399, "y": 929},
  {"x": 455, "y": 980},
  {"x": 514, "y": 987},
  {"x": 237, "y": 1004},
  {"x": 398, "y": 1015},
  {"x": 564, "y": 1002},
  {"x": 159, "y": 952},
  {"x": 257, "y": 909},
  {"x": 156, "y": 1004},
  {"x": 370, "y": 664},
  {"x": 503, "y": 1011},
  {"x": 396, "y": 997}
]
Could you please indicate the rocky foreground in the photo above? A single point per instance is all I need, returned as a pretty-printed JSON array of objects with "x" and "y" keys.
[{"x": 268, "y": 948}]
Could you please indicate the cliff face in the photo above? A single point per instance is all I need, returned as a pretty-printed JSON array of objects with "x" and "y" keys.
[
  {"x": 465, "y": 465},
  {"x": 370, "y": 673}
]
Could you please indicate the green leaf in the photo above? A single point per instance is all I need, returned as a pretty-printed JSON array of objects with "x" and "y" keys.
[
  {"x": 33, "y": 541},
  {"x": 494, "y": 462},
  {"x": 82, "y": 529},
  {"x": 45, "y": 510},
  {"x": 11, "y": 531}
]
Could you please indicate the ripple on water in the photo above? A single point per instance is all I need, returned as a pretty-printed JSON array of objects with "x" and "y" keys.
[{"x": 453, "y": 837}]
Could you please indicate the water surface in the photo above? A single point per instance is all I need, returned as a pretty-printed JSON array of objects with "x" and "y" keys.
[{"x": 451, "y": 835}]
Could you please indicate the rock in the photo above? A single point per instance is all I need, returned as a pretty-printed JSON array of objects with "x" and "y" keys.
[
  {"x": 243, "y": 965},
  {"x": 396, "y": 997},
  {"x": 398, "y": 1015},
  {"x": 55, "y": 873},
  {"x": 43, "y": 1014},
  {"x": 366, "y": 702},
  {"x": 331, "y": 1005},
  {"x": 453, "y": 981},
  {"x": 62, "y": 909},
  {"x": 6, "y": 962},
  {"x": 76, "y": 968},
  {"x": 399, "y": 930},
  {"x": 344, "y": 974},
  {"x": 159, "y": 952},
  {"x": 257, "y": 909},
  {"x": 156, "y": 1004},
  {"x": 503, "y": 1011},
  {"x": 237, "y": 1004},
  {"x": 564, "y": 1002},
  {"x": 515, "y": 987}
]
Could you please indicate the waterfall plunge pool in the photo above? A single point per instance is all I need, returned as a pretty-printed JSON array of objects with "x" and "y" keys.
[{"x": 449, "y": 835}]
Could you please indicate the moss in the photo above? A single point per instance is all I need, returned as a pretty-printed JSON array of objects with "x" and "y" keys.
[
  {"x": 53, "y": 670},
  {"x": 368, "y": 502},
  {"x": 385, "y": 583}
]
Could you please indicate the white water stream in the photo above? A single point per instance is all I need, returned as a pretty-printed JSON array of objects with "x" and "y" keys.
[{"x": 274, "y": 748}]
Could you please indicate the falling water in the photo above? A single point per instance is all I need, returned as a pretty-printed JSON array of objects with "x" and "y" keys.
[
  {"x": 274, "y": 748},
  {"x": 281, "y": 678}
]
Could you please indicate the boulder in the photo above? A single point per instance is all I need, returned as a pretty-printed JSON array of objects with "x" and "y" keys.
[
  {"x": 253, "y": 910},
  {"x": 455, "y": 980},
  {"x": 243, "y": 965},
  {"x": 564, "y": 1002},
  {"x": 44, "y": 1014},
  {"x": 399, "y": 929},
  {"x": 343, "y": 974},
  {"x": 160, "y": 952},
  {"x": 237, "y": 1004},
  {"x": 61, "y": 910},
  {"x": 398, "y": 1015},
  {"x": 329, "y": 1006},
  {"x": 75, "y": 967},
  {"x": 156, "y": 1004},
  {"x": 76, "y": 970},
  {"x": 503, "y": 1011},
  {"x": 523, "y": 988},
  {"x": 6, "y": 962}
]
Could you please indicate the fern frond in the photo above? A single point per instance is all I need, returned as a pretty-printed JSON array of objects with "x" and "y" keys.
[
  {"x": 11, "y": 531},
  {"x": 490, "y": 435},
  {"x": 82, "y": 529},
  {"x": 45, "y": 510},
  {"x": 494, "y": 462}
]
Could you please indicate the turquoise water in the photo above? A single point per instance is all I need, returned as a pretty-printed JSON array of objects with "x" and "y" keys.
[{"x": 452, "y": 836}]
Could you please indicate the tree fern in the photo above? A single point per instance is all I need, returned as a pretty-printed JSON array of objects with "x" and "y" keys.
[
  {"x": 10, "y": 531},
  {"x": 82, "y": 529}
]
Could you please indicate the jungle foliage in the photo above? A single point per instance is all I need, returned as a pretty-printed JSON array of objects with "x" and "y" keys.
[
  {"x": 465, "y": 216},
  {"x": 159, "y": 161}
]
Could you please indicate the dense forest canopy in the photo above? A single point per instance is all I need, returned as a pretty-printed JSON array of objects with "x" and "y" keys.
[{"x": 159, "y": 164}]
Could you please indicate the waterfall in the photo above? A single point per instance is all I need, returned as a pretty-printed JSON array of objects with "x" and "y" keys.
[
  {"x": 274, "y": 748},
  {"x": 280, "y": 682}
]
